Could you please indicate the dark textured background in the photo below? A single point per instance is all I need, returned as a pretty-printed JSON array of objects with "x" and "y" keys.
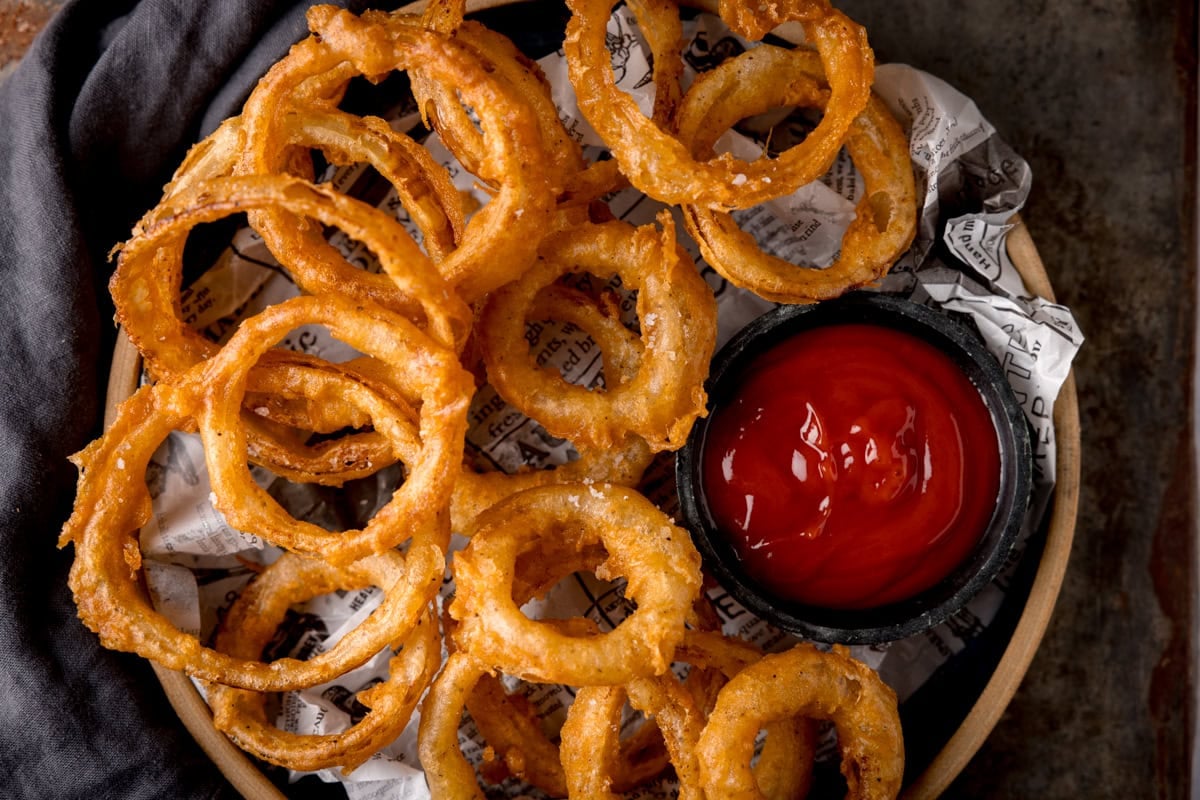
[{"x": 1099, "y": 96}]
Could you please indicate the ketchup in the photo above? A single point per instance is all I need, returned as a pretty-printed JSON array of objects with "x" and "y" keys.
[{"x": 855, "y": 466}]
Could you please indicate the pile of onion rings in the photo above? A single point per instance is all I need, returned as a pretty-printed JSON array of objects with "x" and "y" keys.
[{"x": 436, "y": 322}]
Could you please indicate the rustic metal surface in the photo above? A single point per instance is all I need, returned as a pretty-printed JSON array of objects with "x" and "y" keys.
[{"x": 1100, "y": 98}]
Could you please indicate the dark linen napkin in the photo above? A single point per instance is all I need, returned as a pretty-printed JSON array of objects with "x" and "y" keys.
[{"x": 92, "y": 123}]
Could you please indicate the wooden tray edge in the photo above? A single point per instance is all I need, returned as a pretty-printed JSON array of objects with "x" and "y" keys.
[
  {"x": 1031, "y": 627},
  {"x": 182, "y": 694}
]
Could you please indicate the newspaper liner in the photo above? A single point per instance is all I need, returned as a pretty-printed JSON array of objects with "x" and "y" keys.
[{"x": 195, "y": 563}]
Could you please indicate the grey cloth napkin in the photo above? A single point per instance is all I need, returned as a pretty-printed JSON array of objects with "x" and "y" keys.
[{"x": 92, "y": 123}]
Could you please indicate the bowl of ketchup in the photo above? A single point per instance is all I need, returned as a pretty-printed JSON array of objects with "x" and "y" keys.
[{"x": 863, "y": 471}]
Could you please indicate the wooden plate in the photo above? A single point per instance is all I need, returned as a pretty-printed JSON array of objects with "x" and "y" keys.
[{"x": 948, "y": 758}]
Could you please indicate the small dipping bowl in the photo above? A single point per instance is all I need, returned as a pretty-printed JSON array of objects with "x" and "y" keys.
[{"x": 894, "y": 618}]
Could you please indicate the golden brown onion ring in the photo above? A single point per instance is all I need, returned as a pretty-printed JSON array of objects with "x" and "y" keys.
[
  {"x": 885, "y": 217},
  {"x": 784, "y": 767},
  {"x": 440, "y": 102},
  {"x": 511, "y": 727},
  {"x": 242, "y": 715},
  {"x": 442, "y": 110},
  {"x": 516, "y": 742},
  {"x": 113, "y": 502},
  {"x": 419, "y": 507},
  {"x": 677, "y": 313},
  {"x": 145, "y": 287},
  {"x": 657, "y": 559},
  {"x": 805, "y": 682},
  {"x": 665, "y": 168},
  {"x": 590, "y": 736},
  {"x": 501, "y": 239},
  {"x": 277, "y": 125}
]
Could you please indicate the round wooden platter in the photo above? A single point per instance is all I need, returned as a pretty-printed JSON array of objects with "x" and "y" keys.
[{"x": 246, "y": 776}]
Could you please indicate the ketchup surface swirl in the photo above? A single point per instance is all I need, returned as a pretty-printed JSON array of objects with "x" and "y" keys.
[{"x": 854, "y": 466}]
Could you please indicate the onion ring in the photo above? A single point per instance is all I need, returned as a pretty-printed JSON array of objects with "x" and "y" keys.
[
  {"x": 590, "y": 735},
  {"x": 511, "y": 727},
  {"x": 113, "y": 502},
  {"x": 516, "y": 744},
  {"x": 885, "y": 217},
  {"x": 805, "y": 682},
  {"x": 440, "y": 107},
  {"x": 242, "y": 715},
  {"x": 660, "y": 165},
  {"x": 419, "y": 508},
  {"x": 276, "y": 126},
  {"x": 623, "y": 464},
  {"x": 677, "y": 313},
  {"x": 501, "y": 239},
  {"x": 784, "y": 767},
  {"x": 145, "y": 289},
  {"x": 439, "y": 103},
  {"x": 658, "y": 560}
]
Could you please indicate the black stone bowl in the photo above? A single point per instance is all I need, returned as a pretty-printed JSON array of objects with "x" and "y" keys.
[{"x": 923, "y": 611}]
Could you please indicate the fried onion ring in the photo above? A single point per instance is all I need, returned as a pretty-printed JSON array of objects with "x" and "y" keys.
[
  {"x": 145, "y": 286},
  {"x": 282, "y": 117},
  {"x": 784, "y": 767},
  {"x": 501, "y": 239},
  {"x": 658, "y": 560},
  {"x": 590, "y": 735},
  {"x": 516, "y": 742},
  {"x": 805, "y": 682},
  {"x": 511, "y": 727},
  {"x": 440, "y": 104},
  {"x": 677, "y": 314},
  {"x": 419, "y": 508},
  {"x": 662, "y": 166},
  {"x": 242, "y": 714},
  {"x": 885, "y": 217},
  {"x": 114, "y": 502}
]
